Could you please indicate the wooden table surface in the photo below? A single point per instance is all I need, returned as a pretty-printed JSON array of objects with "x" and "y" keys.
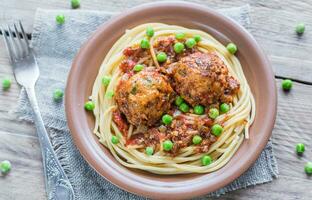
[{"x": 273, "y": 25}]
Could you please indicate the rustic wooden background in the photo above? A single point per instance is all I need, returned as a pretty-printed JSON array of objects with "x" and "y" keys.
[{"x": 273, "y": 25}]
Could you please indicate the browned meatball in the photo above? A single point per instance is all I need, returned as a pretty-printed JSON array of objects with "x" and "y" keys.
[
  {"x": 203, "y": 78},
  {"x": 144, "y": 97}
]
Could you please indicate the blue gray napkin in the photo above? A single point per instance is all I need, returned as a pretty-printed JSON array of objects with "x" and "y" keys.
[{"x": 55, "y": 47}]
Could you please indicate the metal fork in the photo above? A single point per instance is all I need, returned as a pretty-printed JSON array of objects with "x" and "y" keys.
[{"x": 26, "y": 73}]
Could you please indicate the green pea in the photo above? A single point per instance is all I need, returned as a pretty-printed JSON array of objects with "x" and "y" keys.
[
  {"x": 199, "y": 109},
  {"x": 138, "y": 68},
  {"x": 213, "y": 113},
  {"x": 167, "y": 119},
  {"x": 115, "y": 139},
  {"x": 75, "y": 4},
  {"x": 308, "y": 168},
  {"x": 197, "y": 139},
  {"x": 178, "y": 47},
  {"x": 161, "y": 57},
  {"x": 145, "y": 44},
  {"x": 106, "y": 80},
  {"x": 179, "y": 36},
  {"x": 58, "y": 94},
  {"x": 300, "y": 28},
  {"x": 60, "y": 19},
  {"x": 216, "y": 129},
  {"x": 89, "y": 105},
  {"x": 6, "y": 83},
  {"x": 149, "y": 31},
  {"x": 190, "y": 43},
  {"x": 179, "y": 100},
  {"x": 149, "y": 151},
  {"x": 167, "y": 145},
  {"x": 300, "y": 148},
  {"x": 232, "y": 48},
  {"x": 5, "y": 166},
  {"x": 184, "y": 107},
  {"x": 287, "y": 84},
  {"x": 109, "y": 94},
  {"x": 224, "y": 107},
  {"x": 206, "y": 160},
  {"x": 197, "y": 38}
]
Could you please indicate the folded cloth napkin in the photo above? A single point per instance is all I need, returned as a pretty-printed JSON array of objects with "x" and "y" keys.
[{"x": 55, "y": 47}]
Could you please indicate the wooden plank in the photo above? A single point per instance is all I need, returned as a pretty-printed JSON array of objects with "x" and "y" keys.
[
  {"x": 292, "y": 126},
  {"x": 272, "y": 25},
  {"x": 274, "y": 29},
  {"x": 294, "y": 68},
  {"x": 284, "y": 187},
  {"x": 9, "y": 122},
  {"x": 25, "y": 181}
]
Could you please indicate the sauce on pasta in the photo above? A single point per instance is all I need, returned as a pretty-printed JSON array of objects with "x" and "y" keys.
[{"x": 177, "y": 101}]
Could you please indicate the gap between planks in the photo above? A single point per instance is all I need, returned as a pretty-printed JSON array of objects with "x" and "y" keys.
[{"x": 295, "y": 80}]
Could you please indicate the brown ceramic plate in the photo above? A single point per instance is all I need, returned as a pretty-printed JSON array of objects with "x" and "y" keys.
[{"x": 85, "y": 68}]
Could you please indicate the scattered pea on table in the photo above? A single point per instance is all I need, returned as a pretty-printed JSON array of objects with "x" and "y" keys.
[
  {"x": 308, "y": 168},
  {"x": 58, "y": 95},
  {"x": 287, "y": 84},
  {"x": 300, "y": 28},
  {"x": 5, "y": 166},
  {"x": 60, "y": 19},
  {"x": 75, "y": 4},
  {"x": 6, "y": 83},
  {"x": 300, "y": 148}
]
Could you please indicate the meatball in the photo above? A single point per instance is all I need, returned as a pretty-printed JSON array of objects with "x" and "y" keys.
[
  {"x": 203, "y": 78},
  {"x": 144, "y": 97}
]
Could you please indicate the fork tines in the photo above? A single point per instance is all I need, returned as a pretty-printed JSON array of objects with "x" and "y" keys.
[{"x": 16, "y": 41}]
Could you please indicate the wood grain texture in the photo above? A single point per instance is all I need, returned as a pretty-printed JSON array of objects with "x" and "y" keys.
[
  {"x": 25, "y": 181},
  {"x": 273, "y": 27}
]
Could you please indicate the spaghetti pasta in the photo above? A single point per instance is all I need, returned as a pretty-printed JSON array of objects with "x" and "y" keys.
[{"x": 235, "y": 122}]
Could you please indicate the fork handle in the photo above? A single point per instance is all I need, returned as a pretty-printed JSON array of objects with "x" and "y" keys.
[{"x": 57, "y": 184}]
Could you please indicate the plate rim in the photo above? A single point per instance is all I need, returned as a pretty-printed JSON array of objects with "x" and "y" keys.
[{"x": 149, "y": 192}]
